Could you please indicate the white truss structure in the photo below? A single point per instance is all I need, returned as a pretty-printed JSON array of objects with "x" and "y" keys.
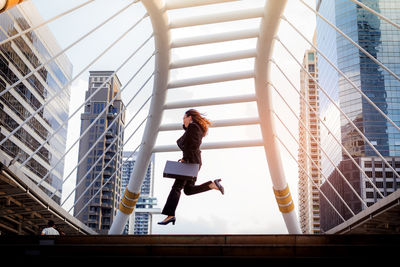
[
  {"x": 270, "y": 16},
  {"x": 157, "y": 11}
]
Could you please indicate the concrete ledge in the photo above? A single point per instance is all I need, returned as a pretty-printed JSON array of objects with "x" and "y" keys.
[{"x": 280, "y": 249}]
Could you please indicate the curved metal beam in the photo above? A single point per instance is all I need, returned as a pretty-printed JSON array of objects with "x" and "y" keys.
[
  {"x": 159, "y": 19},
  {"x": 177, "y": 4},
  {"x": 265, "y": 45}
]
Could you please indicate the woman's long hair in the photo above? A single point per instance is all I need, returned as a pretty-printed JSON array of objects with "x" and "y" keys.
[{"x": 199, "y": 119}]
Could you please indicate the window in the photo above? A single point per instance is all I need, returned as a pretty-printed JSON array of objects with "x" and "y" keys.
[
  {"x": 311, "y": 56},
  {"x": 311, "y": 68},
  {"x": 98, "y": 107}
]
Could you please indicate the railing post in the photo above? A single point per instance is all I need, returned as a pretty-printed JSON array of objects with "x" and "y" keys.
[
  {"x": 265, "y": 44},
  {"x": 159, "y": 19}
]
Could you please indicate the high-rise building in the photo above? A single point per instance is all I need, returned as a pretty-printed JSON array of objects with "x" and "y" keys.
[
  {"x": 100, "y": 169},
  {"x": 309, "y": 150},
  {"x": 380, "y": 40},
  {"x": 19, "y": 58},
  {"x": 140, "y": 221}
]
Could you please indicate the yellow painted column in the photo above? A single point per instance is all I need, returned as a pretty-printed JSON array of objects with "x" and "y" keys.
[
  {"x": 7, "y": 4},
  {"x": 284, "y": 200},
  {"x": 128, "y": 202}
]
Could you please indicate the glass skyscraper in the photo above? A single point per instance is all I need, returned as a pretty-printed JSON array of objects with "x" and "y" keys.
[
  {"x": 382, "y": 41},
  {"x": 100, "y": 153},
  {"x": 18, "y": 59}
]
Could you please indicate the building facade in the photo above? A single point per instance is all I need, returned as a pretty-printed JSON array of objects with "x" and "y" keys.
[
  {"x": 100, "y": 153},
  {"x": 309, "y": 156},
  {"x": 140, "y": 221},
  {"x": 380, "y": 40},
  {"x": 18, "y": 59}
]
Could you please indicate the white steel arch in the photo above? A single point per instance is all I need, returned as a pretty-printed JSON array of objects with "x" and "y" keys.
[
  {"x": 157, "y": 12},
  {"x": 265, "y": 46},
  {"x": 270, "y": 18}
]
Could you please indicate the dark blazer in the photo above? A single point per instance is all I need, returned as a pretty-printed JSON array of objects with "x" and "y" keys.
[{"x": 190, "y": 143}]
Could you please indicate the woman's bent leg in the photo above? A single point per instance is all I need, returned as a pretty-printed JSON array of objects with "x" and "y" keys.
[{"x": 191, "y": 189}]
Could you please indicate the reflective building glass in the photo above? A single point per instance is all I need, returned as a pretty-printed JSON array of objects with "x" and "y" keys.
[
  {"x": 19, "y": 59},
  {"x": 364, "y": 72}
]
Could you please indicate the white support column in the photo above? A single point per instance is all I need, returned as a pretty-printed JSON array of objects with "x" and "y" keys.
[
  {"x": 224, "y": 16},
  {"x": 268, "y": 29},
  {"x": 213, "y": 145},
  {"x": 177, "y": 4},
  {"x": 217, "y": 123},
  {"x": 211, "y": 101},
  {"x": 159, "y": 19},
  {"x": 215, "y": 38},
  {"x": 216, "y": 58},
  {"x": 225, "y": 77}
]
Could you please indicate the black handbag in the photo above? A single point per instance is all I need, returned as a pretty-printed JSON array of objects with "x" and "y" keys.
[{"x": 181, "y": 170}]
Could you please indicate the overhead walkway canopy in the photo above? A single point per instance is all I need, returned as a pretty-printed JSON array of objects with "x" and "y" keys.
[
  {"x": 381, "y": 218},
  {"x": 25, "y": 209}
]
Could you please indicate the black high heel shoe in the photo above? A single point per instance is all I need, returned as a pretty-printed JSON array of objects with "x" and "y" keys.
[
  {"x": 220, "y": 187},
  {"x": 173, "y": 220}
]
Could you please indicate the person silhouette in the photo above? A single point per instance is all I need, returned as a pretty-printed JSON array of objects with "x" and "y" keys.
[
  {"x": 50, "y": 230},
  {"x": 196, "y": 127}
]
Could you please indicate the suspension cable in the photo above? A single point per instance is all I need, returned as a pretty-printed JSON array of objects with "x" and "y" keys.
[
  {"x": 351, "y": 41},
  {"x": 70, "y": 82},
  {"x": 94, "y": 122},
  {"x": 32, "y": 28},
  {"x": 8, "y": 88},
  {"x": 100, "y": 114},
  {"x": 98, "y": 175},
  {"x": 344, "y": 76},
  {"x": 109, "y": 179},
  {"x": 323, "y": 123},
  {"x": 308, "y": 155},
  {"x": 102, "y": 135},
  {"x": 319, "y": 144},
  {"x": 109, "y": 127},
  {"x": 308, "y": 175},
  {"x": 377, "y": 14},
  {"x": 99, "y": 158},
  {"x": 340, "y": 110}
]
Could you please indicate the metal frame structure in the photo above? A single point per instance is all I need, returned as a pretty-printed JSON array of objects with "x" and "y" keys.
[
  {"x": 159, "y": 20},
  {"x": 270, "y": 17},
  {"x": 29, "y": 207}
]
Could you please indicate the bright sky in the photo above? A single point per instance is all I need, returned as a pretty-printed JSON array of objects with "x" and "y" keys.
[{"x": 248, "y": 206}]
